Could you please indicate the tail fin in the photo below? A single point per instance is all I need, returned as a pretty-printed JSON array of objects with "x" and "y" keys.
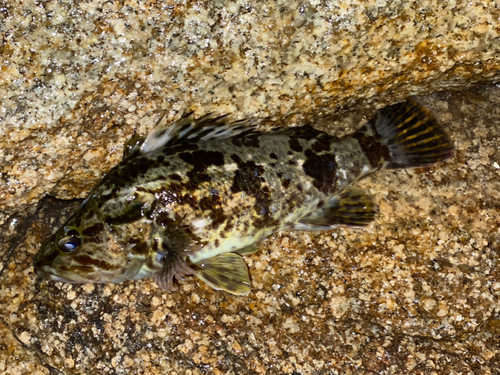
[{"x": 412, "y": 136}]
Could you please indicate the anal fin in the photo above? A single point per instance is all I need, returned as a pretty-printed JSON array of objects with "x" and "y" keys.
[
  {"x": 352, "y": 208},
  {"x": 226, "y": 272}
]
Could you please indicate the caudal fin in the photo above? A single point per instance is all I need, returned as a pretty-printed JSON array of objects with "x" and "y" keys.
[{"x": 412, "y": 136}]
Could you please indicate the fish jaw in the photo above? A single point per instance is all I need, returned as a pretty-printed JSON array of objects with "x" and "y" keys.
[{"x": 50, "y": 273}]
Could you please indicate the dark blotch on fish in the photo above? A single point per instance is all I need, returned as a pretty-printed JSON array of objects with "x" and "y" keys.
[
  {"x": 249, "y": 179},
  {"x": 140, "y": 246},
  {"x": 173, "y": 150},
  {"x": 163, "y": 219},
  {"x": 372, "y": 146},
  {"x": 93, "y": 230},
  {"x": 321, "y": 144},
  {"x": 202, "y": 159},
  {"x": 322, "y": 169},
  {"x": 213, "y": 205},
  {"x": 131, "y": 213},
  {"x": 87, "y": 261},
  {"x": 295, "y": 145},
  {"x": 175, "y": 177}
]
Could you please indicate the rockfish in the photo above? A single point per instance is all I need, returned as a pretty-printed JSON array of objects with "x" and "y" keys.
[{"x": 191, "y": 198}]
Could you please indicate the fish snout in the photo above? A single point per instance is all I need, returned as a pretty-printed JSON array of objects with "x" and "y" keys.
[{"x": 44, "y": 258}]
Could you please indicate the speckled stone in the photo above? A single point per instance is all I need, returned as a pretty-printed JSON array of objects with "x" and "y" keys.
[
  {"x": 417, "y": 292},
  {"x": 77, "y": 77}
]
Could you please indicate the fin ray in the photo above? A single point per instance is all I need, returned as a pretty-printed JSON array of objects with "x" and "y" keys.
[
  {"x": 410, "y": 132},
  {"x": 189, "y": 129},
  {"x": 132, "y": 147},
  {"x": 247, "y": 250},
  {"x": 174, "y": 267},
  {"x": 226, "y": 272},
  {"x": 352, "y": 208}
]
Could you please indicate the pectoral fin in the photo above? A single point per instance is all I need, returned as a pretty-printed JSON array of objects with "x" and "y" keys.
[
  {"x": 248, "y": 250},
  {"x": 226, "y": 272},
  {"x": 173, "y": 244},
  {"x": 352, "y": 208},
  {"x": 173, "y": 267}
]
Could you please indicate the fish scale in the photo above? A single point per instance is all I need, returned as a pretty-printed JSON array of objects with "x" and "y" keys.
[{"x": 191, "y": 198}]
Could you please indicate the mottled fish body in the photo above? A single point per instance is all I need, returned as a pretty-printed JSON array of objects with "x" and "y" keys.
[{"x": 192, "y": 197}]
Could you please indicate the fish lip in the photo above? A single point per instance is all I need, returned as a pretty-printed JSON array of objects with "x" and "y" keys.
[
  {"x": 60, "y": 279},
  {"x": 47, "y": 272},
  {"x": 43, "y": 271},
  {"x": 38, "y": 268}
]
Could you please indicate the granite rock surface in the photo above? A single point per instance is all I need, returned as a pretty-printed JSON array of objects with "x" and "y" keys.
[
  {"x": 77, "y": 77},
  {"x": 416, "y": 292}
]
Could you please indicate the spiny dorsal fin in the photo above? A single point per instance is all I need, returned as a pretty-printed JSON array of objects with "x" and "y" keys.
[
  {"x": 189, "y": 129},
  {"x": 352, "y": 208},
  {"x": 133, "y": 146},
  {"x": 226, "y": 272}
]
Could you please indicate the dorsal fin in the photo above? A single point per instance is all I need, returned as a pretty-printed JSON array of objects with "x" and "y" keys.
[
  {"x": 132, "y": 147},
  {"x": 189, "y": 129}
]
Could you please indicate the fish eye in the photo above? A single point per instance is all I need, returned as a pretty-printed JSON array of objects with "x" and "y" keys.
[{"x": 69, "y": 243}]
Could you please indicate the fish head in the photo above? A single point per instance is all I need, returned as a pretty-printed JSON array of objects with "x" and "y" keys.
[{"x": 87, "y": 250}]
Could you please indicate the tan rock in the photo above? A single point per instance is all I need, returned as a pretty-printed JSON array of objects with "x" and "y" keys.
[
  {"x": 77, "y": 78},
  {"x": 417, "y": 290}
]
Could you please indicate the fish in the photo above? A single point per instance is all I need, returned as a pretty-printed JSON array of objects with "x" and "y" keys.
[{"x": 194, "y": 197}]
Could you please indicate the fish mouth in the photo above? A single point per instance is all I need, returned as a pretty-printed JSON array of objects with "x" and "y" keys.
[
  {"x": 61, "y": 279},
  {"x": 47, "y": 272}
]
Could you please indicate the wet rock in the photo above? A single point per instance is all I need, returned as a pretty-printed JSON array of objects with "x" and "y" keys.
[
  {"x": 78, "y": 77},
  {"x": 416, "y": 291}
]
